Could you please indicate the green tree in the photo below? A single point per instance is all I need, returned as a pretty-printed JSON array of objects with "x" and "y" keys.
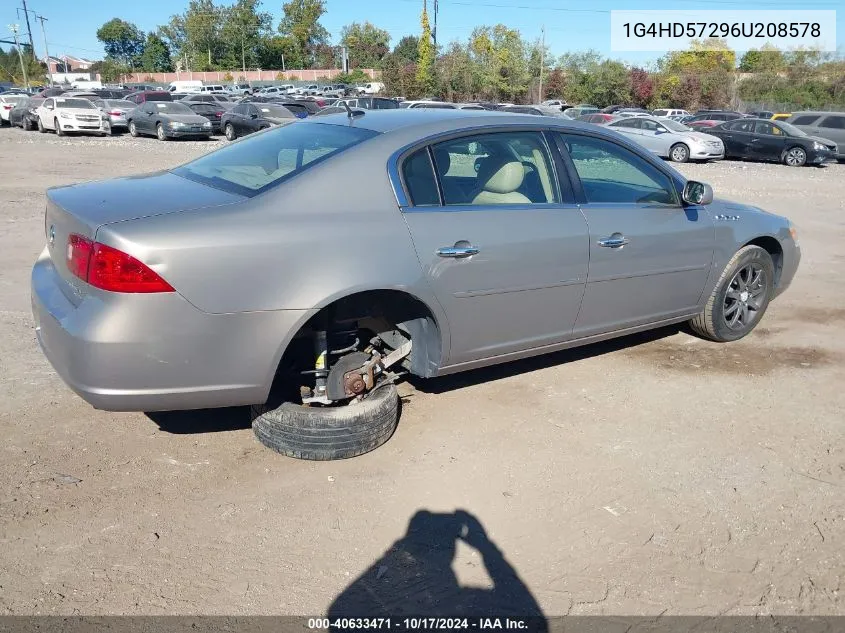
[
  {"x": 122, "y": 41},
  {"x": 175, "y": 36},
  {"x": 766, "y": 60},
  {"x": 407, "y": 49},
  {"x": 301, "y": 23},
  {"x": 156, "y": 55},
  {"x": 366, "y": 43},
  {"x": 203, "y": 21},
  {"x": 277, "y": 52},
  {"x": 10, "y": 67},
  {"x": 425, "y": 55},
  {"x": 243, "y": 29},
  {"x": 109, "y": 70}
]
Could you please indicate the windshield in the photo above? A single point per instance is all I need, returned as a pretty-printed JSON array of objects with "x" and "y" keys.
[
  {"x": 264, "y": 160},
  {"x": 82, "y": 104},
  {"x": 275, "y": 111},
  {"x": 791, "y": 129},
  {"x": 675, "y": 126},
  {"x": 171, "y": 107}
]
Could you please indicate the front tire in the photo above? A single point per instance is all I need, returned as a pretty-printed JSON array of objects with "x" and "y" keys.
[
  {"x": 795, "y": 157},
  {"x": 162, "y": 136},
  {"x": 59, "y": 130},
  {"x": 326, "y": 433},
  {"x": 230, "y": 132},
  {"x": 133, "y": 131},
  {"x": 679, "y": 153},
  {"x": 41, "y": 127},
  {"x": 740, "y": 298}
]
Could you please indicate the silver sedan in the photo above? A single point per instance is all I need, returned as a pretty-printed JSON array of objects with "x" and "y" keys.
[
  {"x": 305, "y": 269},
  {"x": 670, "y": 139}
]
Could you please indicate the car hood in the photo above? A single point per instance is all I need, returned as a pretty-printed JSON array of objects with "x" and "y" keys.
[
  {"x": 194, "y": 119},
  {"x": 701, "y": 136},
  {"x": 823, "y": 141},
  {"x": 133, "y": 197},
  {"x": 75, "y": 111}
]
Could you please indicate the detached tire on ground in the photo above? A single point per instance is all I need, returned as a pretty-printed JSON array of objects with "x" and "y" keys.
[{"x": 326, "y": 433}]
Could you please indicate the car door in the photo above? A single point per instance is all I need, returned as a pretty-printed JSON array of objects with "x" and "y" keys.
[
  {"x": 146, "y": 123},
  {"x": 649, "y": 256},
  {"x": 768, "y": 141},
  {"x": 654, "y": 136},
  {"x": 237, "y": 117},
  {"x": 44, "y": 111},
  {"x": 736, "y": 136},
  {"x": 509, "y": 264}
]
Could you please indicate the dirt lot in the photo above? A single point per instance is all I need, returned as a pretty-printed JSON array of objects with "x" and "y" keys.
[{"x": 653, "y": 474}]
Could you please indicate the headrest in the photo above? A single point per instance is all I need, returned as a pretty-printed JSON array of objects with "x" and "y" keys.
[
  {"x": 443, "y": 160},
  {"x": 501, "y": 177}
]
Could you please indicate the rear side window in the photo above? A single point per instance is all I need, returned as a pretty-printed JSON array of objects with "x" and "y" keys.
[
  {"x": 741, "y": 126},
  {"x": 419, "y": 179},
  {"x": 805, "y": 120},
  {"x": 833, "y": 122},
  {"x": 610, "y": 173},
  {"x": 260, "y": 162}
]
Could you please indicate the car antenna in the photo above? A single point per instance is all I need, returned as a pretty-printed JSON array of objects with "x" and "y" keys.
[{"x": 349, "y": 111}]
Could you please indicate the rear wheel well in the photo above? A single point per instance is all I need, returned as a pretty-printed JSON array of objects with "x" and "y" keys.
[
  {"x": 394, "y": 316},
  {"x": 773, "y": 247}
]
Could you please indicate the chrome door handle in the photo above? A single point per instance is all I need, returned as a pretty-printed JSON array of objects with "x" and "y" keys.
[
  {"x": 457, "y": 251},
  {"x": 613, "y": 242}
]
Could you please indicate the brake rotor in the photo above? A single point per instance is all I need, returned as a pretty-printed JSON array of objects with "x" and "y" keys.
[{"x": 343, "y": 381}]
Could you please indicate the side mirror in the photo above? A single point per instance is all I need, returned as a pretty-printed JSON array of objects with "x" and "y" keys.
[
  {"x": 253, "y": 116},
  {"x": 697, "y": 193}
]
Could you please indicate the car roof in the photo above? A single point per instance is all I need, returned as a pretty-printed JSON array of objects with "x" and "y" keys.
[{"x": 432, "y": 121}]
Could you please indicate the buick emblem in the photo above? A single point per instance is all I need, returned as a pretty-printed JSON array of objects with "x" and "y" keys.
[{"x": 52, "y": 234}]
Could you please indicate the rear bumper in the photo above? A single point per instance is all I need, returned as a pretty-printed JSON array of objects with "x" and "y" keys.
[{"x": 156, "y": 352}]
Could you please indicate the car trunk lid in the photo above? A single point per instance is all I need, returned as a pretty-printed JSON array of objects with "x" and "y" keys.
[{"x": 82, "y": 209}]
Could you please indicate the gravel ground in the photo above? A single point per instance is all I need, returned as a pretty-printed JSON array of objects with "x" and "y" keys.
[{"x": 653, "y": 474}]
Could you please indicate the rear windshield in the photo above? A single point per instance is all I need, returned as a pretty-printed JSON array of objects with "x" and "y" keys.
[
  {"x": 259, "y": 162},
  {"x": 274, "y": 111}
]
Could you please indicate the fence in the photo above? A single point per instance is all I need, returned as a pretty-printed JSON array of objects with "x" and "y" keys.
[
  {"x": 769, "y": 106},
  {"x": 250, "y": 76}
]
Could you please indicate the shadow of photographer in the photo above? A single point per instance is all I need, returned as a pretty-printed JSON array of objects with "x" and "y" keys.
[{"x": 414, "y": 577}]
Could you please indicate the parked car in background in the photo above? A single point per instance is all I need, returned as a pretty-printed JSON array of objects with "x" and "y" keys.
[
  {"x": 429, "y": 105},
  {"x": 632, "y": 112},
  {"x": 7, "y": 102},
  {"x": 370, "y": 103},
  {"x": 149, "y": 95},
  {"x": 336, "y": 90},
  {"x": 556, "y": 103},
  {"x": 577, "y": 111},
  {"x": 181, "y": 86},
  {"x": 24, "y": 114},
  {"x": 760, "y": 114},
  {"x": 50, "y": 92},
  {"x": 63, "y": 115},
  {"x": 310, "y": 89},
  {"x": 828, "y": 125},
  {"x": 184, "y": 288},
  {"x": 599, "y": 118},
  {"x": 205, "y": 98},
  {"x": 774, "y": 141},
  {"x": 246, "y": 118},
  {"x": 781, "y": 116},
  {"x": 371, "y": 88},
  {"x": 537, "y": 110},
  {"x": 714, "y": 115},
  {"x": 239, "y": 89},
  {"x": 115, "y": 110},
  {"x": 284, "y": 89},
  {"x": 669, "y": 139},
  {"x": 211, "y": 111},
  {"x": 166, "y": 120},
  {"x": 669, "y": 112},
  {"x": 701, "y": 124},
  {"x": 211, "y": 89}
]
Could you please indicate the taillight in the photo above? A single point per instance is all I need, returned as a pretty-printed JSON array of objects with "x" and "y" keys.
[
  {"x": 218, "y": 114},
  {"x": 6, "y": 106},
  {"x": 109, "y": 269},
  {"x": 115, "y": 113}
]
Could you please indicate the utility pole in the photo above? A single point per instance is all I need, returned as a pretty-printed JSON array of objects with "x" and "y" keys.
[
  {"x": 28, "y": 29},
  {"x": 42, "y": 19},
  {"x": 14, "y": 29},
  {"x": 542, "y": 54},
  {"x": 434, "y": 32}
]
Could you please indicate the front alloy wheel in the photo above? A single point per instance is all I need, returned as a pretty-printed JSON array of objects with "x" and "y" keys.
[
  {"x": 133, "y": 131},
  {"x": 795, "y": 157},
  {"x": 160, "y": 133},
  {"x": 745, "y": 296},
  {"x": 679, "y": 153},
  {"x": 230, "y": 132}
]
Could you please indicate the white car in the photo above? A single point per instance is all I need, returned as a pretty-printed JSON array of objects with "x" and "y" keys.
[
  {"x": 71, "y": 114},
  {"x": 556, "y": 103},
  {"x": 372, "y": 88},
  {"x": 7, "y": 102},
  {"x": 670, "y": 139},
  {"x": 669, "y": 112}
]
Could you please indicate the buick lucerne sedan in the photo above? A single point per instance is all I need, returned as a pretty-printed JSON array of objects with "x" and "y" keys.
[{"x": 306, "y": 268}]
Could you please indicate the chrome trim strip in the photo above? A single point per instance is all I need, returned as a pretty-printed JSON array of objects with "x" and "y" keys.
[
  {"x": 648, "y": 273},
  {"x": 499, "y": 291}
]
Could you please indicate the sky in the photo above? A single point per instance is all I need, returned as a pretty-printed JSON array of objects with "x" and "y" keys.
[{"x": 569, "y": 26}]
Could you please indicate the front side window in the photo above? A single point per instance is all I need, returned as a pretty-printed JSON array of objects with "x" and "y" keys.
[
  {"x": 610, "y": 173},
  {"x": 262, "y": 161},
  {"x": 419, "y": 179},
  {"x": 501, "y": 168},
  {"x": 763, "y": 127},
  {"x": 648, "y": 125}
]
